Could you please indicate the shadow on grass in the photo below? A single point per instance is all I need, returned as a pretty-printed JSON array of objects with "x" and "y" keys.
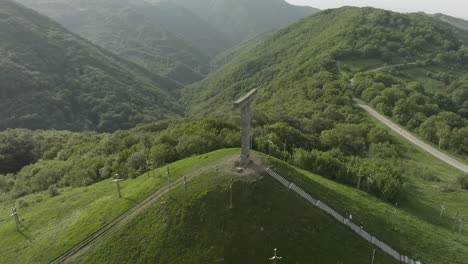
[
  {"x": 25, "y": 236},
  {"x": 131, "y": 200}
]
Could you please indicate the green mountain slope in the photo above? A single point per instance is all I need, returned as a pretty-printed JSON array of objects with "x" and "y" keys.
[
  {"x": 197, "y": 30},
  {"x": 243, "y": 19},
  {"x": 265, "y": 216},
  {"x": 137, "y": 30},
  {"x": 297, "y": 66},
  {"x": 172, "y": 38},
  {"x": 459, "y": 26},
  {"x": 51, "y": 78}
]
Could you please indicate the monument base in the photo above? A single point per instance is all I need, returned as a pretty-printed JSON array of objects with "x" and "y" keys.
[{"x": 244, "y": 160}]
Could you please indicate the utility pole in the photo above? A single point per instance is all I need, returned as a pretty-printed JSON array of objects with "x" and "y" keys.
[
  {"x": 369, "y": 182},
  {"x": 15, "y": 216},
  {"x": 454, "y": 226},
  {"x": 230, "y": 191},
  {"x": 394, "y": 215},
  {"x": 442, "y": 210},
  {"x": 373, "y": 256},
  {"x": 284, "y": 150},
  {"x": 150, "y": 168},
  {"x": 269, "y": 146},
  {"x": 275, "y": 258},
  {"x": 163, "y": 204},
  {"x": 117, "y": 181},
  {"x": 460, "y": 228},
  {"x": 359, "y": 179},
  {"x": 251, "y": 142},
  {"x": 169, "y": 180},
  {"x": 185, "y": 185}
]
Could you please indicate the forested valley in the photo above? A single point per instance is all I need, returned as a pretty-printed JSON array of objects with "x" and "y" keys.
[
  {"x": 118, "y": 89},
  {"x": 304, "y": 113}
]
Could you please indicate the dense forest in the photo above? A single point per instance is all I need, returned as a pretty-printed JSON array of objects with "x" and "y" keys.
[
  {"x": 33, "y": 161},
  {"x": 303, "y": 112},
  {"x": 172, "y": 38},
  {"x": 457, "y": 25},
  {"x": 440, "y": 118},
  {"x": 300, "y": 82},
  {"x": 51, "y": 78},
  {"x": 288, "y": 70}
]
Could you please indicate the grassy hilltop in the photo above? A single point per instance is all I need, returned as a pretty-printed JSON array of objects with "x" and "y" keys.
[
  {"x": 206, "y": 229},
  {"x": 303, "y": 114}
]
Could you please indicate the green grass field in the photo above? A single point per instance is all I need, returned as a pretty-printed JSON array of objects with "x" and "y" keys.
[
  {"x": 265, "y": 215},
  {"x": 414, "y": 231},
  {"x": 54, "y": 224},
  {"x": 210, "y": 232}
]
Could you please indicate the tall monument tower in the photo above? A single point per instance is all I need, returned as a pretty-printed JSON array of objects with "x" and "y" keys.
[{"x": 244, "y": 104}]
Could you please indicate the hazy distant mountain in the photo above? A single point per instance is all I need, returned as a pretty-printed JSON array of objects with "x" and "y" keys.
[
  {"x": 174, "y": 38},
  {"x": 51, "y": 78},
  {"x": 458, "y": 25},
  {"x": 133, "y": 29},
  {"x": 241, "y": 20}
]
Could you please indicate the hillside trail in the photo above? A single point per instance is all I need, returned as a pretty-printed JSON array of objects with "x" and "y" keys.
[
  {"x": 249, "y": 173},
  {"x": 403, "y": 132},
  {"x": 83, "y": 246}
]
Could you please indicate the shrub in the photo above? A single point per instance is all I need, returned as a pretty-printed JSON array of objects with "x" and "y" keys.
[
  {"x": 38, "y": 199},
  {"x": 463, "y": 181},
  {"x": 53, "y": 190},
  {"x": 23, "y": 204}
]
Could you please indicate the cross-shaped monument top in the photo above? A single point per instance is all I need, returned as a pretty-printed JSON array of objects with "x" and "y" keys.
[
  {"x": 246, "y": 98},
  {"x": 244, "y": 104}
]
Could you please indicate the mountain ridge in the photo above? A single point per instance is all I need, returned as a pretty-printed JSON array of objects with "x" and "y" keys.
[{"x": 55, "y": 79}]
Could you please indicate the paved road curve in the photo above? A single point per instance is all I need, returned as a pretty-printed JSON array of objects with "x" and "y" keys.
[{"x": 434, "y": 152}]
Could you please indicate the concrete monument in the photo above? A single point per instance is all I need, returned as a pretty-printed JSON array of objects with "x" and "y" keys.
[{"x": 244, "y": 104}]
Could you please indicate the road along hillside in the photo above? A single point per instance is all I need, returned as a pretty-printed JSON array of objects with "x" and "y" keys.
[{"x": 414, "y": 140}]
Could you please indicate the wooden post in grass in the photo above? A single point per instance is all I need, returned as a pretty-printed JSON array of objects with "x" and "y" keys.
[
  {"x": 117, "y": 181},
  {"x": 230, "y": 193},
  {"x": 163, "y": 203},
  {"x": 369, "y": 182},
  {"x": 394, "y": 215},
  {"x": 442, "y": 210},
  {"x": 275, "y": 258},
  {"x": 284, "y": 151},
  {"x": 185, "y": 185},
  {"x": 455, "y": 221},
  {"x": 269, "y": 146},
  {"x": 244, "y": 104},
  {"x": 460, "y": 227},
  {"x": 373, "y": 256},
  {"x": 169, "y": 180},
  {"x": 151, "y": 169},
  {"x": 359, "y": 179},
  {"x": 15, "y": 216}
]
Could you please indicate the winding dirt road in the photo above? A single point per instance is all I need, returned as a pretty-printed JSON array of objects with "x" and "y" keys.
[{"x": 419, "y": 143}]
